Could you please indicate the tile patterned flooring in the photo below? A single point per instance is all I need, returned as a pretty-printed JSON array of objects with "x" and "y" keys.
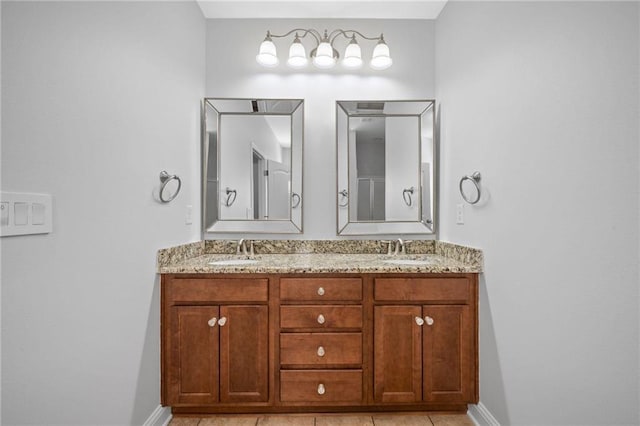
[{"x": 327, "y": 420}]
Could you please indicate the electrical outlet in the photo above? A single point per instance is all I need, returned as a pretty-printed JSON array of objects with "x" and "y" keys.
[
  {"x": 188, "y": 217},
  {"x": 460, "y": 214}
]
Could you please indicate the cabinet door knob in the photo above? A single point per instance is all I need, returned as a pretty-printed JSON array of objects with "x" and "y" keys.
[
  {"x": 428, "y": 320},
  {"x": 321, "y": 389},
  {"x": 212, "y": 322},
  {"x": 320, "y": 319},
  {"x": 222, "y": 321},
  {"x": 320, "y": 291},
  {"x": 419, "y": 321},
  {"x": 320, "y": 351}
]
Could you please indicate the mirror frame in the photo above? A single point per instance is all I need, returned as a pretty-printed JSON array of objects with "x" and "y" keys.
[
  {"x": 292, "y": 225},
  {"x": 348, "y": 227}
]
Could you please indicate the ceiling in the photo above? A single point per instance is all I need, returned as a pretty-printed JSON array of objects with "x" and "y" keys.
[{"x": 321, "y": 9}]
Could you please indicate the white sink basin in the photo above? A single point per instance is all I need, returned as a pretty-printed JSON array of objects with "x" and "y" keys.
[
  {"x": 407, "y": 262},
  {"x": 233, "y": 262}
]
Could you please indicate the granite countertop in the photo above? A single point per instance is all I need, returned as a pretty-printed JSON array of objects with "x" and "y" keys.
[{"x": 328, "y": 256}]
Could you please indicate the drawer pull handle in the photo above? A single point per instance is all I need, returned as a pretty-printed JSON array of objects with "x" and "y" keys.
[
  {"x": 320, "y": 291},
  {"x": 320, "y": 319},
  {"x": 428, "y": 320},
  {"x": 212, "y": 322},
  {"x": 222, "y": 321},
  {"x": 321, "y": 389},
  {"x": 320, "y": 351},
  {"x": 419, "y": 321}
]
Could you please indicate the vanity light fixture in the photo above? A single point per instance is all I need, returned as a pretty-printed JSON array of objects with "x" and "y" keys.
[{"x": 324, "y": 55}]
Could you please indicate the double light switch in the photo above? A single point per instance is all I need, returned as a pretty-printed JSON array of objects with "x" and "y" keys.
[{"x": 25, "y": 213}]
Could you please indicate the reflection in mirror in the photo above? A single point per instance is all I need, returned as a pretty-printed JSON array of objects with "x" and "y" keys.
[
  {"x": 385, "y": 167},
  {"x": 252, "y": 165}
]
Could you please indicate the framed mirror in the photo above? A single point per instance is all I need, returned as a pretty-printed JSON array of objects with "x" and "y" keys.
[
  {"x": 252, "y": 165},
  {"x": 386, "y": 160}
]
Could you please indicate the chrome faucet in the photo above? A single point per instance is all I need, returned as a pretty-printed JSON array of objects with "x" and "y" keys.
[
  {"x": 241, "y": 247},
  {"x": 400, "y": 247}
]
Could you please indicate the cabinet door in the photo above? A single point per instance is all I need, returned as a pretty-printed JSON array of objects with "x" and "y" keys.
[
  {"x": 193, "y": 375},
  {"x": 244, "y": 354},
  {"x": 398, "y": 354},
  {"x": 448, "y": 363}
]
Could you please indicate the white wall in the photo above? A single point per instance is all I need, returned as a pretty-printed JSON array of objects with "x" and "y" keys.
[
  {"x": 542, "y": 99},
  {"x": 233, "y": 72},
  {"x": 1, "y": 7},
  {"x": 97, "y": 99}
]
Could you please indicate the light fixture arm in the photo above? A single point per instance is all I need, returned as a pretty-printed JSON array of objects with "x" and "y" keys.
[
  {"x": 335, "y": 33},
  {"x": 305, "y": 31}
]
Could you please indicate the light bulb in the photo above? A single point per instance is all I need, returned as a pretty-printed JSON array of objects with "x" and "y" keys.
[
  {"x": 297, "y": 54},
  {"x": 381, "y": 59},
  {"x": 324, "y": 56},
  {"x": 267, "y": 53},
  {"x": 352, "y": 55}
]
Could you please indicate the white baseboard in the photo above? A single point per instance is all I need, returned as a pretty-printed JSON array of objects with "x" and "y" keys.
[
  {"x": 481, "y": 416},
  {"x": 161, "y": 416}
]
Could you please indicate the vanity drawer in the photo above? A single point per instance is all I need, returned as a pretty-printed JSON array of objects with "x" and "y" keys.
[
  {"x": 321, "y": 386},
  {"x": 321, "y": 316},
  {"x": 321, "y": 289},
  {"x": 226, "y": 290},
  {"x": 456, "y": 290},
  {"x": 321, "y": 349}
]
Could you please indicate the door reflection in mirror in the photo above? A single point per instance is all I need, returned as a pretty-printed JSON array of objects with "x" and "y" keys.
[{"x": 256, "y": 164}]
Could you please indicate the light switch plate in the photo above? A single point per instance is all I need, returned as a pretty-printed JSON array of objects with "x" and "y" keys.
[
  {"x": 25, "y": 213},
  {"x": 20, "y": 213},
  {"x": 38, "y": 214},
  {"x": 4, "y": 214},
  {"x": 460, "y": 214}
]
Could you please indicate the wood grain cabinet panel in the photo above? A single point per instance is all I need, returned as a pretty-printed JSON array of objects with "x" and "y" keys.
[
  {"x": 314, "y": 386},
  {"x": 193, "y": 370},
  {"x": 244, "y": 363},
  {"x": 457, "y": 290},
  {"x": 398, "y": 354},
  {"x": 447, "y": 356},
  {"x": 219, "y": 290},
  {"x": 321, "y": 289},
  {"x": 321, "y": 317},
  {"x": 321, "y": 349}
]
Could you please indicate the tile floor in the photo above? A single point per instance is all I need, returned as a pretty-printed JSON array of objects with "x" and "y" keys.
[{"x": 327, "y": 420}]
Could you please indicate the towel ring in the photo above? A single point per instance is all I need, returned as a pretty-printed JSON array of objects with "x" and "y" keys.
[
  {"x": 231, "y": 197},
  {"x": 475, "y": 179},
  {"x": 345, "y": 195},
  {"x": 406, "y": 195},
  {"x": 295, "y": 200},
  {"x": 165, "y": 178}
]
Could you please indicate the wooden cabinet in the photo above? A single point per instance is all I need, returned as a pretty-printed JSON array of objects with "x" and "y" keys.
[
  {"x": 299, "y": 343},
  {"x": 424, "y": 341},
  {"x": 321, "y": 322},
  {"x": 216, "y": 352}
]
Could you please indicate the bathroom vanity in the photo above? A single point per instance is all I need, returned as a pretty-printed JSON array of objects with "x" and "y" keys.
[{"x": 323, "y": 331}]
